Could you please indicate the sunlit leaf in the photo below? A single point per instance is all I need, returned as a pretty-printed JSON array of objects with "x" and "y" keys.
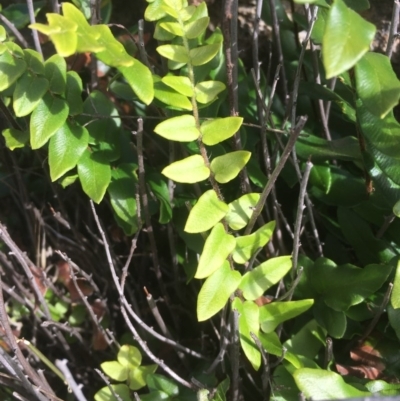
[
  {"x": 246, "y": 245},
  {"x": 207, "y": 91},
  {"x": 216, "y": 291},
  {"x": 180, "y": 84},
  {"x": 208, "y": 211},
  {"x": 182, "y": 129},
  {"x": 228, "y": 166},
  {"x": 218, "y": 246},
  {"x": 203, "y": 54},
  {"x": 217, "y": 130},
  {"x": 255, "y": 282},
  {"x": 347, "y": 38},
  {"x": 12, "y": 65},
  {"x": 189, "y": 170},
  {"x": 174, "y": 52},
  {"x": 240, "y": 210},
  {"x": 15, "y": 138}
]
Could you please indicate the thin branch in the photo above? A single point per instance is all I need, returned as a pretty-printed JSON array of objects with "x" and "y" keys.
[
  {"x": 24, "y": 261},
  {"x": 17, "y": 351},
  {"x": 35, "y": 33},
  {"x": 388, "y": 221},
  {"x": 288, "y": 295},
  {"x": 271, "y": 182},
  {"x": 107, "y": 382},
  {"x": 265, "y": 375},
  {"x": 14, "y": 30},
  {"x": 299, "y": 214},
  {"x": 126, "y": 307},
  {"x": 377, "y": 316},
  {"x": 328, "y": 352},
  {"x": 76, "y": 389},
  {"x": 277, "y": 37},
  {"x": 393, "y": 28}
]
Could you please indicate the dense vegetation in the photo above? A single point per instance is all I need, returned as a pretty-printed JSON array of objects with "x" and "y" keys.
[{"x": 183, "y": 218}]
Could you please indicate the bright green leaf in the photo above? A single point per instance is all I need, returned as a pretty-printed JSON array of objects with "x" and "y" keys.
[
  {"x": 171, "y": 97},
  {"x": 12, "y": 65},
  {"x": 63, "y": 34},
  {"x": 3, "y": 33},
  {"x": 216, "y": 290},
  {"x": 273, "y": 314},
  {"x": 173, "y": 27},
  {"x": 87, "y": 38},
  {"x": 377, "y": 84},
  {"x": 105, "y": 393},
  {"x": 217, "y": 247},
  {"x": 174, "y": 52},
  {"x": 255, "y": 282},
  {"x": 28, "y": 92},
  {"x": 140, "y": 80},
  {"x": 49, "y": 115},
  {"x": 203, "y": 54},
  {"x": 246, "y": 245},
  {"x": 114, "y": 53},
  {"x": 207, "y": 212},
  {"x": 189, "y": 170},
  {"x": 181, "y": 84},
  {"x": 240, "y": 210},
  {"x": 182, "y": 129},
  {"x": 137, "y": 377},
  {"x": 228, "y": 166},
  {"x": 55, "y": 70},
  {"x": 219, "y": 129},
  {"x": 207, "y": 91},
  {"x": 115, "y": 370},
  {"x": 197, "y": 27},
  {"x": 347, "y": 38},
  {"x": 15, "y": 138},
  {"x": 271, "y": 343},
  {"x": 129, "y": 356},
  {"x": 94, "y": 175},
  {"x": 248, "y": 323},
  {"x": 66, "y": 147},
  {"x": 320, "y": 384}
]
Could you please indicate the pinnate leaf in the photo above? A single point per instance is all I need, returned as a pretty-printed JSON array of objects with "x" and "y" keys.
[
  {"x": 182, "y": 129},
  {"x": 320, "y": 384},
  {"x": 207, "y": 212},
  {"x": 174, "y": 52},
  {"x": 216, "y": 291},
  {"x": 228, "y": 166},
  {"x": 49, "y": 115},
  {"x": 255, "y": 282},
  {"x": 216, "y": 131},
  {"x": 217, "y": 247},
  {"x": 246, "y": 245},
  {"x": 196, "y": 28},
  {"x": 207, "y": 91},
  {"x": 203, "y": 54},
  {"x": 273, "y": 314},
  {"x": 248, "y": 323},
  {"x": 181, "y": 84},
  {"x": 189, "y": 170},
  {"x": 240, "y": 210},
  {"x": 346, "y": 39}
]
